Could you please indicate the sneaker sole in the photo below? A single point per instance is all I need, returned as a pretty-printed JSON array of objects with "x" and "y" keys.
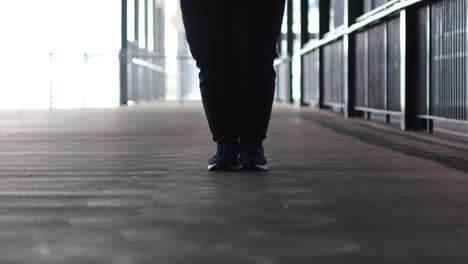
[
  {"x": 221, "y": 167},
  {"x": 253, "y": 167}
]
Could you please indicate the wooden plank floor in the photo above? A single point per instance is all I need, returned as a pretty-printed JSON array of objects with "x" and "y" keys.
[{"x": 130, "y": 186}]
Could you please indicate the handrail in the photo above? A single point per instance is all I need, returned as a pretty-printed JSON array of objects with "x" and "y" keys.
[
  {"x": 396, "y": 6},
  {"x": 139, "y": 56},
  {"x": 282, "y": 60},
  {"x": 377, "y": 10},
  {"x": 148, "y": 65}
]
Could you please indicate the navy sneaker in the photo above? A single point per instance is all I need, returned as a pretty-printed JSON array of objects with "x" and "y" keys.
[
  {"x": 252, "y": 157},
  {"x": 225, "y": 158}
]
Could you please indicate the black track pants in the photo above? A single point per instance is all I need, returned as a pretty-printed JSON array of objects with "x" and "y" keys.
[{"x": 234, "y": 43}]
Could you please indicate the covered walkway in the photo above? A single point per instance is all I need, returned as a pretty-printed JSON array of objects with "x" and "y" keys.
[{"x": 130, "y": 186}]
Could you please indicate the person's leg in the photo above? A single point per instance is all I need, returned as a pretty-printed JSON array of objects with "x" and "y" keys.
[
  {"x": 208, "y": 28},
  {"x": 260, "y": 30},
  {"x": 257, "y": 35},
  {"x": 207, "y": 24}
]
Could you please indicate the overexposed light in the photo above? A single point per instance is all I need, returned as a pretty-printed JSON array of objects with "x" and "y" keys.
[{"x": 68, "y": 30}]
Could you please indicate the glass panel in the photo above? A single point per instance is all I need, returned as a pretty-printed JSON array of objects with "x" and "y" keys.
[{"x": 48, "y": 49}]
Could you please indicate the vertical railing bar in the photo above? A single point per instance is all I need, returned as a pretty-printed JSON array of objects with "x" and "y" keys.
[
  {"x": 449, "y": 61},
  {"x": 313, "y": 77},
  {"x": 403, "y": 69},
  {"x": 436, "y": 22},
  {"x": 123, "y": 56},
  {"x": 459, "y": 58},
  {"x": 455, "y": 97},
  {"x": 146, "y": 48},
  {"x": 440, "y": 51},
  {"x": 452, "y": 59},
  {"x": 346, "y": 77},
  {"x": 317, "y": 81},
  {"x": 441, "y": 60},
  {"x": 386, "y": 46},
  {"x": 332, "y": 81},
  {"x": 434, "y": 72},
  {"x": 451, "y": 50},
  {"x": 444, "y": 59},
  {"x": 430, "y": 123},
  {"x": 462, "y": 57},
  {"x": 333, "y": 72},
  {"x": 463, "y": 63},
  {"x": 456, "y": 60},
  {"x": 330, "y": 73},
  {"x": 455, "y": 56},
  {"x": 367, "y": 75},
  {"x": 435, "y": 58},
  {"x": 466, "y": 61},
  {"x": 445, "y": 62}
]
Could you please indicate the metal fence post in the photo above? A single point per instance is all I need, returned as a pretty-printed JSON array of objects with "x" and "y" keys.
[
  {"x": 324, "y": 27},
  {"x": 466, "y": 64},
  {"x": 305, "y": 36},
  {"x": 346, "y": 63},
  {"x": 156, "y": 48},
  {"x": 146, "y": 71},
  {"x": 409, "y": 72},
  {"x": 351, "y": 12},
  {"x": 430, "y": 122},
  {"x": 290, "y": 47},
  {"x": 403, "y": 124},
  {"x": 136, "y": 82},
  {"x": 386, "y": 90},
  {"x": 123, "y": 56},
  {"x": 368, "y": 114}
]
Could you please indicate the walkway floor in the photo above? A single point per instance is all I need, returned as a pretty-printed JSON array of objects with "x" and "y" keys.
[{"x": 130, "y": 186}]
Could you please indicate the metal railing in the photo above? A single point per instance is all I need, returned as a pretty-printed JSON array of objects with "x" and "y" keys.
[
  {"x": 445, "y": 43},
  {"x": 82, "y": 80},
  {"x": 406, "y": 60},
  {"x": 311, "y": 64},
  {"x": 146, "y": 74},
  {"x": 148, "y": 78},
  {"x": 283, "y": 79}
]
